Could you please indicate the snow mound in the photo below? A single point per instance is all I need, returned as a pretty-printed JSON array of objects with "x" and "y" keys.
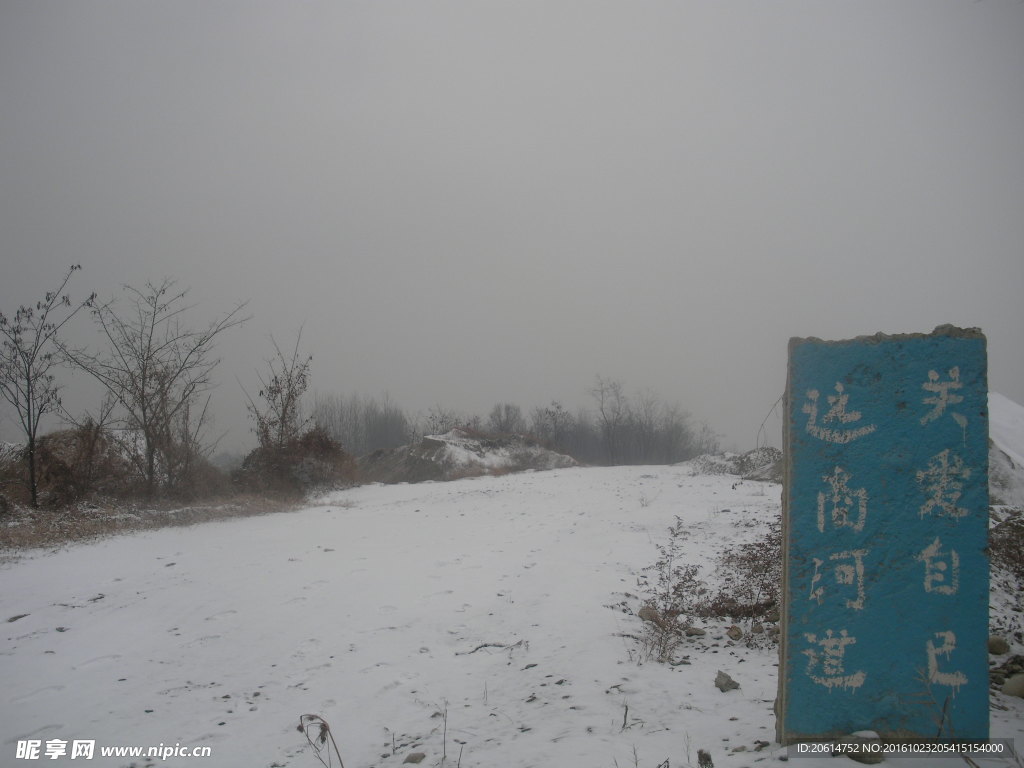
[
  {"x": 459, "y": 453},
  {"x": 758, "y": 464},
  {"x": 1006, "y": 451}
]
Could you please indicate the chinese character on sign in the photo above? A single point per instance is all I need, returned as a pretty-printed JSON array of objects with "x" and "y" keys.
[
  {"x": 851, "y": 573},
  {"x": 83, "y": 748},
  {"x": 845, "y": 574},
  {"x": 942, "y": 482},
  {"x": 941, "y": 569},
  {"x": 830, "y": 658},
  {"x": 28, "y": 750},
  {"x": 954, "y": 679},
  {"x": 836, "y": 414},
  {"x": 842, "y": 502},
  {"x": 943, "y": 397}
]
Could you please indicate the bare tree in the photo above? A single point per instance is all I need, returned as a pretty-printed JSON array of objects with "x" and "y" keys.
[
  {"x": 658, "y": 431},
  {"x": 440, "y": 420},
  {"x": 28, "y": 344},
  {"x": 279, "y": 421},
  {"x": 156, "y": 368},
  {"x": 644, "y": 420},
  {"x": 183, "y": 445},
  {"x": 613, "y": 414},
  {"x": 552, "y": 425},
  {"x": 707, "y": 440},
  {"x": 296, "y": 453},
  {"x": 675, "y": 437},
  {"x": 387, "y": 426},
  {"x": 362, "y": 424},
  {"x": 92, "y": 433},
  {"x": 506, "y": 419}
]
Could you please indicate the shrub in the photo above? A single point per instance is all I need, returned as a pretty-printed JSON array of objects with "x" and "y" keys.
[
  {"x": 1006, "y": 544},
  {"x": 751, "y": 578},
  {"x": 750, "y": 586},
  {"x": 675, "y": 596},
  {"x": 202, "y": 480},
  {"x": 310, "y": 462},
  {"x": 756, "y": 459},
  {"x": 72, "y": 464}
]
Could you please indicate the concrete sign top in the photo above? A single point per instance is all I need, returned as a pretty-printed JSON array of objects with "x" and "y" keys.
[{"x": 885, "y": 524}]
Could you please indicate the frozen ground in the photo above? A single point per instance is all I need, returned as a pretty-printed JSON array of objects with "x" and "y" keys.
[{"x": 465, "y": 620}]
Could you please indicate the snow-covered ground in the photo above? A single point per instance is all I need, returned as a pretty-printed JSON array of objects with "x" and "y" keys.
[
  {"x": 467, "y": 620},
  {"x": 1006, "y": 464}
]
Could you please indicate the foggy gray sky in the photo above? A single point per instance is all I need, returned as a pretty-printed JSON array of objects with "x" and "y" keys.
[{"x": 471, "y": 202}]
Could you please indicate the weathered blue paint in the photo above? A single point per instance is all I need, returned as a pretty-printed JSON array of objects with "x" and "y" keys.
[{"x": 885, "y": 617}]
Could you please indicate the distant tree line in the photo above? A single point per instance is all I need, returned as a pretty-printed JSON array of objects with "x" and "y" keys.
[
  {"x": 362, "y": 424},
  {"x": 643, "y": 429},
  {"x": 148, "y": 437}
]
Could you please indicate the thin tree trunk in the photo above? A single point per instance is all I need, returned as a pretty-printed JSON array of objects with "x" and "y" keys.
[
  {"x": 32, "y": 472},
  {"x": 31, "y": 435},
  {"x": 150, "y": 470}
]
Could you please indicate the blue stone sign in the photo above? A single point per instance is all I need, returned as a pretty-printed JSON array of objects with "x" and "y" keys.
[{"x": 885, "y": 528}]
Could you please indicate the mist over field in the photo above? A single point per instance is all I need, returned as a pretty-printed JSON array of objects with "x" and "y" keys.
[{"x": 463, "y": 205}]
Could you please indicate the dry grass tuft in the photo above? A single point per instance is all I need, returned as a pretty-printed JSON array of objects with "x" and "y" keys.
[
  {"x": 318, "y": 734},
  {"x": 25, "y": 528}
]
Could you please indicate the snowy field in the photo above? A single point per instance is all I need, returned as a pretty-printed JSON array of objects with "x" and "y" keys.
[{"x": 468, "y": 621}]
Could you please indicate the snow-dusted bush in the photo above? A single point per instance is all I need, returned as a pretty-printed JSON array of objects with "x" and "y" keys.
[
  {"x": 311, "y": 462},
  {"x": 1006, "y": 543},
  {"x": 674, "y": 595},
  {"x": 83, "y": 460},
  {"x": 749, "y": 586},
  {"x": 71, "y": 464},
  {"x": 751, "y": 578}
]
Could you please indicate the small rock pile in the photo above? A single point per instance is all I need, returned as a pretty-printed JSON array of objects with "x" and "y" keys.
[{"x": 1008, "y": 677}]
